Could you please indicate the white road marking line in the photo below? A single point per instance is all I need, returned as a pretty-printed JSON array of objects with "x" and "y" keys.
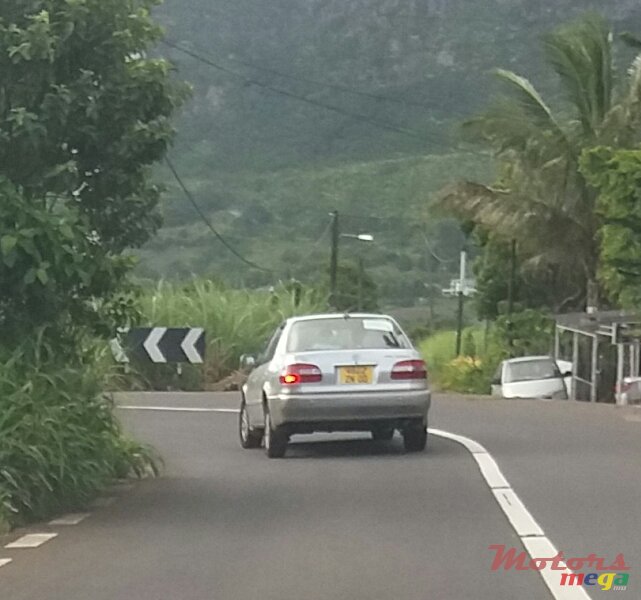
[
  {"x": 180, "y": 409},
  {"x": 519, "y": 516},
  {"x": 540, "y": 547},
  {"x": 71, "y": 519},
  {"x": 5, "y": 561},
  {"x": 103, "y": 502},
  {"x": 528, "y": 530},
  {"x": 471, "y": 445},
  {"x": 31, "y": 540},
  {"x": 490, "y": 470}
]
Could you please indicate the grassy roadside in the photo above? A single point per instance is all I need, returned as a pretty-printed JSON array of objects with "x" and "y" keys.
[
  {"x": 469, "y": 373},
  {"x": 60, "y": 442},
  {"x": 525, "y": 333}
]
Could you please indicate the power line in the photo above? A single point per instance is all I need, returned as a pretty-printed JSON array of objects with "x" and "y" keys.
[
  {"x": 207, "y": 222},
  {"x": 315, "y": 244},
  {"x": 433, "y": 254},
  {"x": 288, "y": 94},
  {"x": 328, "y": 85}
]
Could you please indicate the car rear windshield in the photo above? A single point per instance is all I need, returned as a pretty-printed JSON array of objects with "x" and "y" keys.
[
  {"x": 531, "y": 370},
  {"x": 352, "y": 333}
]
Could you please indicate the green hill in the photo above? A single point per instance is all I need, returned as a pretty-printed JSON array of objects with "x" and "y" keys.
[
  {"x": 275, "y": 137},
  {"x": 280, "y": 220}
]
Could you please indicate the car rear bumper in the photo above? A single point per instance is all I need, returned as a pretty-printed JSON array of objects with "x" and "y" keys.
[{"x": 351, "y": 411}]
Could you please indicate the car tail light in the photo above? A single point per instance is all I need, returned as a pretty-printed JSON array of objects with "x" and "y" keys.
[
  {"x": 409, "y": 369},
  {"x": 300, "y": 373}
]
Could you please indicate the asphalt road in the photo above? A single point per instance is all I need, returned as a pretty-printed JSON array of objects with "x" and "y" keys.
[{"x": 343, "y": 517}]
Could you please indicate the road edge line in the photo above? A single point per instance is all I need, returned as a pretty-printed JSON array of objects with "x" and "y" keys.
[
  {"x": 530, "y": 533},
  {"x": 178, "y": 409}
]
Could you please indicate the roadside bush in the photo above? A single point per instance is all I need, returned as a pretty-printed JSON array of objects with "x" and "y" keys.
[
  {"x": 438, "y": 350},
  {"x": 532, "y": 332},
  {"x": 60, "y": 443},
  {"x": 465, "y": 374}
]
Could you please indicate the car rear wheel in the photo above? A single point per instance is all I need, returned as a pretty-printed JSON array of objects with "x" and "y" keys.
[
  {"x": 415, "y": 438},
  {"x": 382, "y": 434},
  {"x": 275, "y": 438},
  {"x": 249, "y": 438}
]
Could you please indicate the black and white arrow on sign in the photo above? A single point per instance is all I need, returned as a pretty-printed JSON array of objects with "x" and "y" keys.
[
  {"x": 190, "y": 346},
  {"x": 151, "y": 345},
  {"x": 160, "y": 345}
]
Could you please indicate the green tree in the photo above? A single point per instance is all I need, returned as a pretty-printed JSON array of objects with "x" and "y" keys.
[
  {"x": 617, "y": 176},
  {"x": 83, "y": 116},
  {"x": 541, "y": 198},
  {"x": 532, "y": 288},
  {"x": 529, "y": 332}
]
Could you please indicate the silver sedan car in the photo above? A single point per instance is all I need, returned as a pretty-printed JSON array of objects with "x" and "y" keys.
[{"x": 337, "y": 372}]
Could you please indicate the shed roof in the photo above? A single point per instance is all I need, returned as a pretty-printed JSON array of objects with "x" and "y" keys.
[{"x": 591, "y": 323}]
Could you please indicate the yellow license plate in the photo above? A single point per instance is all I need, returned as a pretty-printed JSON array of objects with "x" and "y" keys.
[{"x": 355, "y": 375}]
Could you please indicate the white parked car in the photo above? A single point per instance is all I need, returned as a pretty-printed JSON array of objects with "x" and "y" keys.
[
  {"x": 565, "y": 366},
  {"x": 629, "y": 392},
  {"x": 530, "y": 377}
]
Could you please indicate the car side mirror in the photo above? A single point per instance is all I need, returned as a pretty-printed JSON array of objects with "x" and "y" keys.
[
  {"x": 496, "y": 381},
  {"x": 247, "y": 362}
]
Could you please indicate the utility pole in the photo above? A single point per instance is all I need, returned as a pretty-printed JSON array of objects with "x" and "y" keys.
[
  {"x": 510, "y": 294},
  {"x": 333, "y": 265},
  {"x": 361, "y": 276},
  {"x": 511, "y": 282},
  {"x": 461, "y": 303}
]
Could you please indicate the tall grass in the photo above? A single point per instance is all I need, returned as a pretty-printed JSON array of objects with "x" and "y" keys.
[
  {"x": 470, "y": 373},
  {"x": 236, "y": 322},
  {"x": 439, "y": 349},
  {"x": 60, "y": 443}
]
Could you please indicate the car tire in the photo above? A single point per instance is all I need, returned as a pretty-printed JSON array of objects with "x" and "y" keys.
[
  {"x": 249, "y": 438},
  {"x": 383, "y": 434},
  {"x": 275, "y": 438},
  {"x": 415, "y": 438}
]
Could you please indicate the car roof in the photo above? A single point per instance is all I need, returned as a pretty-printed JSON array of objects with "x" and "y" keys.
[
  {"x": 529, "y": 358},
  {"x": 339, "y": 316}
]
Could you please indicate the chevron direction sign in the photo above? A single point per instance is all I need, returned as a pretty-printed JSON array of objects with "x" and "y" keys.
[{"x": 159, "y": 345}]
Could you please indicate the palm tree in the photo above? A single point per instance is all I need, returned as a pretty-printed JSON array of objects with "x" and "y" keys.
[{"x": 541, "y": 199}]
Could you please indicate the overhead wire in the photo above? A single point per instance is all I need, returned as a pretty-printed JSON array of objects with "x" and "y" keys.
[
  {"x": 207, "y": 222},
  {"x": 288, "y": 94},
  {"x": 318, "y": 241},
  {"x": 332, "y": 86},
  {"x": 316, "y": 103},
  {"x": 433, "y": 254}
]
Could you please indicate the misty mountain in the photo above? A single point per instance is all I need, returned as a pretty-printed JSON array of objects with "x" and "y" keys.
[
  {"x": 431, "y": 56},
  {"x": 303, "y": 106}
]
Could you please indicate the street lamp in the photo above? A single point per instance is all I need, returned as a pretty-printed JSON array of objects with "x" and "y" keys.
[
  {"x": 333, "y": 268},
  {"x": 363, "y": 237}
]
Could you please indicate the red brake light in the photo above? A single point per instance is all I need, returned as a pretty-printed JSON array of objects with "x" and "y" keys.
[
  {"x": 409, "y": 369},
  {"x": 300, "y": 373}
]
